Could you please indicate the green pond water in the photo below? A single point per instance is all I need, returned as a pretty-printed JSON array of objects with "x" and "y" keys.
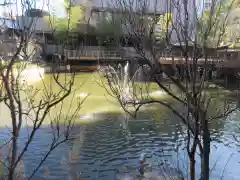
[{"x": 107, "y": 144}]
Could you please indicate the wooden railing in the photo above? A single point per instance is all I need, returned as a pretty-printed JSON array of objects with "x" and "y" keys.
[
  {"x": 97, "y": 52},
  {"x": 93, "y": 53}
]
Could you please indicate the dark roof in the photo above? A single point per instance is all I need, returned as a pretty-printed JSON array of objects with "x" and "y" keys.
[{"x": 37, "y": 24}]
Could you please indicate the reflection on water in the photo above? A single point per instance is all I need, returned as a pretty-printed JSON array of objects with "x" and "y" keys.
[
  {"x": 106, "y": 148},
  {"x": 32, "y": 74},
  {"x": 29, "y": 74},
  {"x": 107, "y": 144}
]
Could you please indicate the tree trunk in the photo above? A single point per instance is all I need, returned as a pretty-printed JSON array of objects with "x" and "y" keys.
[
  {"x": 8, "y": 79},
  {"x": 12, "y": 161},
  {"x": 202, "y": 167},
  {"x": 206, "y": 152},
  {"x": 192, "y": 166}
]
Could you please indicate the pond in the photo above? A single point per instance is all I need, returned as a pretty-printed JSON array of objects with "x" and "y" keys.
[{"x": 108, "y": 144}]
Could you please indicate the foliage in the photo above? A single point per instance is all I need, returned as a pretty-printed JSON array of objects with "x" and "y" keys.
[
  {"x": 222, "y": 21},
  {"x": 164, "y": 21},
  {"x": 109, "y": 29},
  {"x": 232, "y": 34},
  {"x": 117, "y": 25},
  {"x": 74, "y": 15},
  {"x": 110, "y": 25},
  {"x": 61, "y": 26}
]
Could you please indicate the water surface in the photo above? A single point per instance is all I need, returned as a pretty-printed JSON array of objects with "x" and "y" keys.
[{"x": 107, "y": 144}]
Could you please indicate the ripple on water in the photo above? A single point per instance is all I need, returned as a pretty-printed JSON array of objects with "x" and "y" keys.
[
  {"x": 106, "y": 148},
  {"x": 116, "y": 151}
]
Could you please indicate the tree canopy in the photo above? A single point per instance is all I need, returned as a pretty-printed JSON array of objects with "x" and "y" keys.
[
  {"x": 61, "y": 26},
  {"x": 219, "y": 24},
  {"x": 232, "y": 34},
  {"x": 111, "y": 25},
  {"x": 117, "y": 24},
  {"x": 164, "y": 22},
  {"x": 109, "y": 28}
]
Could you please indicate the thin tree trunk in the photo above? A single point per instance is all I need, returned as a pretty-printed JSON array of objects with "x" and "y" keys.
[
  {"x": 192, "y": 166},
  {"x": 8, "y": 83},
  {"x": 206, "y": 152},
  {"x": 12, "y": 173},
  {"x": 202, "y": 166}
]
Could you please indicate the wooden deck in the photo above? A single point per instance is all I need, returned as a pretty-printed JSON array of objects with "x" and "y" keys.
[
  {"x": 179, "y": 60},
  {"x": 164, "y": 58}
]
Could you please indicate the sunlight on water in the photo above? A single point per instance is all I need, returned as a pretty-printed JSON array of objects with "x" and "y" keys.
[
  {"x": 158, "y": 93},
  {"x": 88, "y": 118},
  {"x": 32, "y": 74},
  {"x": 96, "y": 99},
  {"x": 84, "y": 94},
  {"x": 97, "y": 114}
]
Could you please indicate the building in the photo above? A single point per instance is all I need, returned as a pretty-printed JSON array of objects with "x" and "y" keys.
[
  {"x": 95, "y": 10},
  {"x": 8, "y": 39},
  {"x": 87, "y": 31},
  {"x": 12, "y": 28}
]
